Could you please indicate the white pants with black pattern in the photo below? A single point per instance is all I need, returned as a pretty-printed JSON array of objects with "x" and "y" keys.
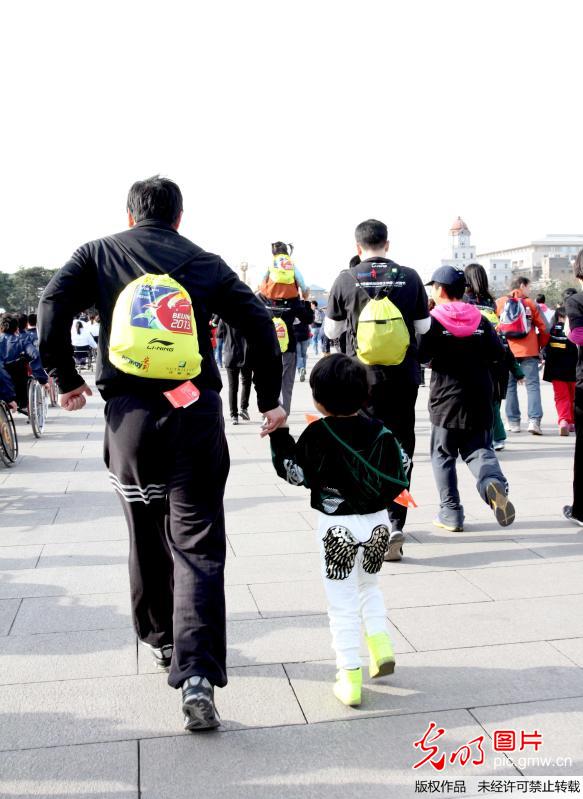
[{"x": 351, "y": 552}]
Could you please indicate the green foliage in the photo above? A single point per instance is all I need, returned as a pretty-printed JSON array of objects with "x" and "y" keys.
[
  {"x": 20, "y": 291},
  {"x": 553, "y": 291}
]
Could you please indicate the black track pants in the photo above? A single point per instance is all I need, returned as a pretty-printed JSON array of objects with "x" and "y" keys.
[{"x": 169, "y": 467}]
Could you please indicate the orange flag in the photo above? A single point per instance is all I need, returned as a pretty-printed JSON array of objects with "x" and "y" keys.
[
  {"x": 405, "y": 499},
  {"x": 312, "y": 417}
]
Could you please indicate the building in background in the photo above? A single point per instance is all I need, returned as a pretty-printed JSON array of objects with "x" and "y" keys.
[
  {"x": 462, "y": 252},
  {"x": 542, "y": 260}
]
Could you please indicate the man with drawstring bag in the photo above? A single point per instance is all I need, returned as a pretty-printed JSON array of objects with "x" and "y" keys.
[
  {"x": 383, "y": 307},
  {"x": 165, "y": 444}
]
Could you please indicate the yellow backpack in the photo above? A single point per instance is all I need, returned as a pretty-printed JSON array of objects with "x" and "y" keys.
[
  {"x": 281, "y": 333},
  {"x": 282, "y": 270},
  {"x": 382, "y": 337},
  {"x": 153, "y": 329}
]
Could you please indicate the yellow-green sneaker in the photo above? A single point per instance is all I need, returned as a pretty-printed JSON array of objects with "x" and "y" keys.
[
  {"x": 382, "y": 658},
  {"x": 348, "y": 686}
]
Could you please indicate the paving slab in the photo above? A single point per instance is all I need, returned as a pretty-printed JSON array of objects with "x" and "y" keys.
[
  {"x": 572, "y": 648},
  {"x": 272, "y": 522},
  {"x": 533, "y": 580},
  {"x": 81, "y": 531},
  {"x": 446, "y": 679},
  {"x": 131, "y": 707},
  {"x": 19, "y": 557},
  {"x": 372, "y": 758},
  {"x": 8, "y": 610},
  {"x": 86, "y": 553},
  {"x": 560, "y": 722},
  {"x": 271, "y": 568},
  {"x": 505, "y": 621},
  {"x": 55, "y": 582},
  {"x": 400, "y": 591},
  {"x": 258, "y": 544},
  {"x": 67, "y": 656},
  {"x": 94, "y": 771},
  {"x": 72, "y": 613}
]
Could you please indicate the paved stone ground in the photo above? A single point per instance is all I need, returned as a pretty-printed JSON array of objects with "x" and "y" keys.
[{"x": 488, "y": 626}]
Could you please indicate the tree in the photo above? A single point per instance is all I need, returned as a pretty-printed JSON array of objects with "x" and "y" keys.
[
  {"x": 5, "y": 285},
  {"x": 26, "y": 286}
]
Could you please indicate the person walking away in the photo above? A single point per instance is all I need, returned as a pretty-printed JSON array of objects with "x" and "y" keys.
[
  {"x": 574, "y": 329},
  {"x": 302, "y": 337},
  {"x": 94, "y": 327},
  {"x": 547, "y": 312},
  {"x": 560, "y": 369},
  {"x": 236, "y": 361},
  {"x": 354, "y": 468},
  {"x": 283, "y": 280},
  {"x": 525, "y": 328},
  {"x": 478, "y": 293},
  {"x": 462, "y": 347},
  {"x": 219, "y": 340},
  {"x": 18, "y": 355},
  {"x": 165, "y": 444},
  {"x": 393, "y": 367},
  {"x": 316, "y": 326}
]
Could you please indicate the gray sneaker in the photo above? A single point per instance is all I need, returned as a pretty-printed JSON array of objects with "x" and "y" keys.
[
  {"x": 395, "y": 546},
  {"x": 161, "y": 654},
  {"x": 198, "y": 705},
  {"x": 534, "y": 427},
  {"x": 514, "y": 427}
]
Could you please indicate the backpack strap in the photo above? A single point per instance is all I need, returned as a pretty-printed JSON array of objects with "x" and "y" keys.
[
  {"x": 383, "y": 431},
  {"x": 132, "y": 258}
]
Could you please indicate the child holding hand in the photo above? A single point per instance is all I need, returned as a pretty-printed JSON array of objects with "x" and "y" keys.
[{"x": 354, "y": 468}]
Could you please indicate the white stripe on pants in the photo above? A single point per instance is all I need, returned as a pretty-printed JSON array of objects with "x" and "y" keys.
[{"x": 356, "y": 597}]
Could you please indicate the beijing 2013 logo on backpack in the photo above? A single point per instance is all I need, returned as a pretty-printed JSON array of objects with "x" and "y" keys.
[
  {"x": 281, "y": 333},
  {"x": 382, "y": 337},
  {"x": 153, "y": 329},
  {"x": 515, "y": 322}
]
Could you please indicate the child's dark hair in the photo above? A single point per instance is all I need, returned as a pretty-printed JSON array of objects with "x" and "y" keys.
[
  {"x": 455, "y": 291},
  {"x": 281, "y": 248},
  {"x": 340, "y": 384}
]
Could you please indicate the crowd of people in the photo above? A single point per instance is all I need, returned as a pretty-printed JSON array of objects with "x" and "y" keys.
[{"x": 165, "y": 445}]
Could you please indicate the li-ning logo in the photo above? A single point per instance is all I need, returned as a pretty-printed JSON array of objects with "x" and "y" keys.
[{"x": 165, "y": 346}]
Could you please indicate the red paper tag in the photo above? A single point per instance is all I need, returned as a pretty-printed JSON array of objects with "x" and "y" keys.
[
  {"x": 405, "y": 499},
  {"x": 183, "y": 395}
]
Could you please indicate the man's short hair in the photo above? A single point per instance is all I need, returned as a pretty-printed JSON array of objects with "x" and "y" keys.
[
  {"x": 578, "y": 266},
  {"x": 340, "y": 384},
  {"x": 8, "y": 324},
  {"x": 371, "y": 234},
  {"x": 155, "y": 198},
  {"x": 541, "y": 298},
  {"x": 314, "y": 302},
  {"x": 32, "y": 319},
  {"x": 518, "y": 282}
]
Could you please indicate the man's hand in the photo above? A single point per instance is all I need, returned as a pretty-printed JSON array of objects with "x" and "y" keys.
[
  {"x": 74, "y": 400},
  {"x": 273, "y": 419}
]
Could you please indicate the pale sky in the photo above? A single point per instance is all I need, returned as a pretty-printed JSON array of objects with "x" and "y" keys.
[{"x": 292, "y": 121}]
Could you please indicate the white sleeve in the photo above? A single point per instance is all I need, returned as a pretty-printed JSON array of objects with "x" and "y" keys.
[
  {"x": 333, "y": 329},
  {"x": 422, "y": 325}
]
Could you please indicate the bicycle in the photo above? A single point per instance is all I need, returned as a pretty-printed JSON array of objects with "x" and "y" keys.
[{"x": 8, "y": 437}]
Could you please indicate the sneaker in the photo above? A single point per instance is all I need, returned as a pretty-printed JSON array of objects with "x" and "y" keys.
[
  {"x": 302, "y": 375},
  {"x": 162, "y": 655},
  {"x": 381, "y": 655},
  {"x": 499, "y": 445},
  {"x": 500, "y": 504},
  {"x": 563, "y": 427},
  {"x": 451, "y": 526},
  {"x": 245, "y": 415},
  {"x": 198, "y": 705},
  {"x": 348, "y": 687},
  {"x": 395, "y": 546},
  {"x": 235, "y": 419},
  {"x": 513, "y": 427},
  {"x": 534, "y": 427},
  {"x": 568, "y": 514}
]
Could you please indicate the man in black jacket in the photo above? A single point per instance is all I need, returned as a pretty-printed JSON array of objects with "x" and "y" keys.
[{"x": 169, "y": 466}]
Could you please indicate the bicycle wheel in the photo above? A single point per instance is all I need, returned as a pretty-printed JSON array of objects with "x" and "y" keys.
[
  {"x": 36, "y": 408},
  {"x": 8, "y": 439},
  {"x": 53, "y": 393}
]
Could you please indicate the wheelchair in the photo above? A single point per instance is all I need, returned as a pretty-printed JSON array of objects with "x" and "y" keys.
[
  {"x": 8, "y": 437},
  {"x": 31, "y": 397}
]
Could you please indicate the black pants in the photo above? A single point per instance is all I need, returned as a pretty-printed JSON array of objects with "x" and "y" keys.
[
  {"x": 394, "y": 404},
  {"x": 578, "y": 465},
  {"x": 233, "y": 377},
  {"x": 169, "y": 467}
]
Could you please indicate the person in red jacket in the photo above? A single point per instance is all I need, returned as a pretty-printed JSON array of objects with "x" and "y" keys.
[{"x": 526, "y": 351}]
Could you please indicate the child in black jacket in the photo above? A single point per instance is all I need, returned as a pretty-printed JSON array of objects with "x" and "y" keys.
[{"x": 354, "y": 468}]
